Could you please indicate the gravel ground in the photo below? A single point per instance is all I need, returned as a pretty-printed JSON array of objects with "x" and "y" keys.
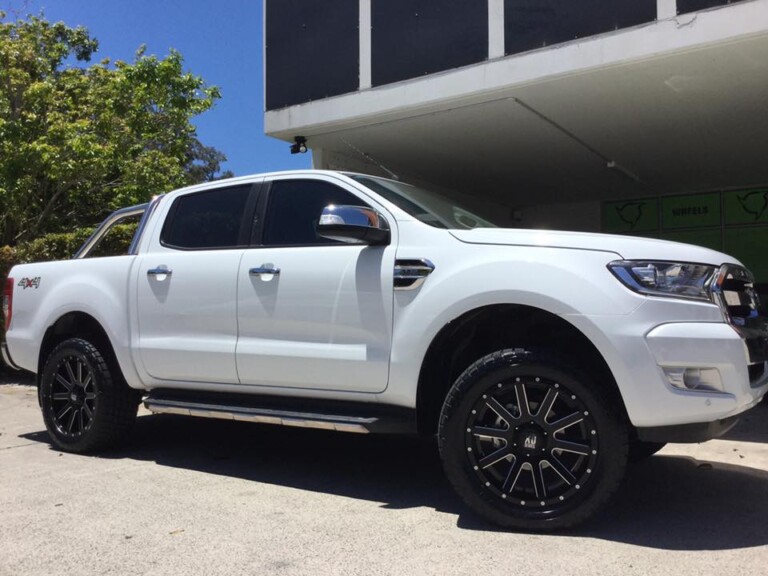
[{"x": 213, "y": 497}]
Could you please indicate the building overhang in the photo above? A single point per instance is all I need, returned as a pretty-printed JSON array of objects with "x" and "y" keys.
[{"x": 675, "y": 105}]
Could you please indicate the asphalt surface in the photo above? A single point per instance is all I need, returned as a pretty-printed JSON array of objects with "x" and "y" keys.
[{"x": 213, "y": 497}]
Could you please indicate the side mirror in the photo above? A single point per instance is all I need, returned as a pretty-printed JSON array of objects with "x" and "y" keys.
[{"x": 353, "y": 225}]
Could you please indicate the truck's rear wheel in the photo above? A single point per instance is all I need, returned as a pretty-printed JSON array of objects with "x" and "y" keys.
[
  {"x": 531, "y": 443},
  {"x": 86, "y": 405}
]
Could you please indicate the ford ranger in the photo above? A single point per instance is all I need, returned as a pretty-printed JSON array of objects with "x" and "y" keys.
[{"x": 541, "y": 360}]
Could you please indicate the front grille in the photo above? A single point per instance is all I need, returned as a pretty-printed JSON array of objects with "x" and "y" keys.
[
  {"x": 734, "y": 291},
  {"x": 756, "y": 372}
]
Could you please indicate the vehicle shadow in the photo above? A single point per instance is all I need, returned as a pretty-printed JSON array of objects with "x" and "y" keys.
[
  {"x": 667, "y": 502},
  {"x": 752, "y": 425},
  {"x": 680, "y": 503},
  {"x": 15, "y": 377}
]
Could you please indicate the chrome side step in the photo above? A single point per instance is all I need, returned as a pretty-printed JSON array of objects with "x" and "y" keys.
[{"x": 338, "y": 423}]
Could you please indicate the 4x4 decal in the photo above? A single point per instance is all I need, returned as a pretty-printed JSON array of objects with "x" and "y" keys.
[{"x": 25, "y": 283}]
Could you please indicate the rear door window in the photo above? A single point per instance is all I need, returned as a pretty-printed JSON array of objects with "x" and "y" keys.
[{"x": 212, "y": 219}]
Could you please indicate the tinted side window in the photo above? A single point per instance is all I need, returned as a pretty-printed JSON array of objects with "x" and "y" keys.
[
  {"x": 294, "y": 211},
  {"x": 209, "y": 219}
]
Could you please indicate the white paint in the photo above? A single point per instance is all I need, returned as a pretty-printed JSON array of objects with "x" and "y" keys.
[
  {"x": 495, "y": 29},
  {"x": 365, "y": 44},
  {"x": 188, "y": 319},
  {"x": 325, "y": 322}
]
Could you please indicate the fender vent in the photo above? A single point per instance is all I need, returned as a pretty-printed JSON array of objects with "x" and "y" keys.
[{"x": 410, "y": 274}]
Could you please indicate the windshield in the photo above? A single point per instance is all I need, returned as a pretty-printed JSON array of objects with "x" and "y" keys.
[{"x": 426, "y": 206}]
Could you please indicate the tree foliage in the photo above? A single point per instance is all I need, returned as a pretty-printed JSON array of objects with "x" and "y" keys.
[{"x": 78, "y": 140}]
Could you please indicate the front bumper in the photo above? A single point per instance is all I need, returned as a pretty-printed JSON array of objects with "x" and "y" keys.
[
  {"x": 663, "y": 336},
  {"x": 738, "y": 360}
]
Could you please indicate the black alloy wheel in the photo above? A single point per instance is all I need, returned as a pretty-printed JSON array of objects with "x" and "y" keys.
[
  {"x": 86, "y": 404},
  {"x": 530, "y": 443},
  {"x": 73, "y": 399}
]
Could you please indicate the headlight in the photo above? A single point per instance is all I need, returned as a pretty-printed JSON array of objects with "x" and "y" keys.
[{"x": 672, "y": 279}]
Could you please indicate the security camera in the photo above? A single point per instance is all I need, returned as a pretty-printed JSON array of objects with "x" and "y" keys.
[{"x": 299, "y": 146}]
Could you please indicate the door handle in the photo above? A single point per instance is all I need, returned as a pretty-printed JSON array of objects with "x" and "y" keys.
[
  {"x": 159, "y": 271},
  {"x": 264, "y": 270}
]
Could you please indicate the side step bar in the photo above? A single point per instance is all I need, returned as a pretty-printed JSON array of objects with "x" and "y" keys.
[{"x": 244, "y": 408}]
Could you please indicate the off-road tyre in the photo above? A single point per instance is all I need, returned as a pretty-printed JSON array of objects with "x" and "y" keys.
[
  {"x": 86, "y": 404},
  {"x": 493, "y": 438}
]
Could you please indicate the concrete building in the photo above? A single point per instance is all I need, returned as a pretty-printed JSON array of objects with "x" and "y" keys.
[{"x": 647, "y": 117}]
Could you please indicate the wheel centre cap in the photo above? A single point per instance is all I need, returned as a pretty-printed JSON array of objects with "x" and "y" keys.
[
  {"x": 77, "y": 397},
  {"x": 530, "y": 439}
]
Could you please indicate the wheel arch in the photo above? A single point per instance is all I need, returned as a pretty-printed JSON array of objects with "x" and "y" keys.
[
  {"x": 76, "y": 324},
  {"x": 492, "y": 327}
]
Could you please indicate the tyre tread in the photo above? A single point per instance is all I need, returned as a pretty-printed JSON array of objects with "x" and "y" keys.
[
  {"x": 118, "y": 403},
  {"x": 501, "y": 359}
]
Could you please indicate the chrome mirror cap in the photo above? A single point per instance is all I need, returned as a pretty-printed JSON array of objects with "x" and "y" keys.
[{"x": 353, "y": 225}]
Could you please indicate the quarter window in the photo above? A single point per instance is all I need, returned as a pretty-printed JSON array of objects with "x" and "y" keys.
[
  {"x": 294, "y": 211},
  {"x": 210, "y": 219}
]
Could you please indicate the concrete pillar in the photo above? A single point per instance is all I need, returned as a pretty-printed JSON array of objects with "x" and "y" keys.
[
  {"x": 495, "y": 29},
  {"x": 666, "y": 9},
  {"x": 365, "y": 44}
]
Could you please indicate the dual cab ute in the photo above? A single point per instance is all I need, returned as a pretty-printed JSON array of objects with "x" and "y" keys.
[{"x": 541, "y": 360}]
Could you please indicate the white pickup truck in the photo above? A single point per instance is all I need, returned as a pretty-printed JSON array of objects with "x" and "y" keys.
[{"x": 542, "y": 360}]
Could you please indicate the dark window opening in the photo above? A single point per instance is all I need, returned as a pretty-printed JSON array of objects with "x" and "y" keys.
[
  {"x": 411, "y": 38},
  {"x": 294, "y": 210},
  {"x": 209, "y": 219},
  {"x": 532, "y": 24},
  {"x": 312, "y": 50},
  {"x": 686, "y": 6}
]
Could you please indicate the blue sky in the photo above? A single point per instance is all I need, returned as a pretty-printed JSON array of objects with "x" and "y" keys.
[{"x": 221, "y": 40}]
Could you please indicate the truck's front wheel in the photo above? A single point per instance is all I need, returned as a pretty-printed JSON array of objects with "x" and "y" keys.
[
  {"x": 86, "y": 405},
  {"x": 531, "y": 443}
]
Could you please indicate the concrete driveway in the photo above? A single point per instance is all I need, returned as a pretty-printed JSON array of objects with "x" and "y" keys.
[{"x": 213, "y": 497}]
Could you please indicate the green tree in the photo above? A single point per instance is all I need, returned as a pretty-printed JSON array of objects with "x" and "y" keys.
[
  {"x": 203, "y": 163},
  {"x": 78, "y": 140}
]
